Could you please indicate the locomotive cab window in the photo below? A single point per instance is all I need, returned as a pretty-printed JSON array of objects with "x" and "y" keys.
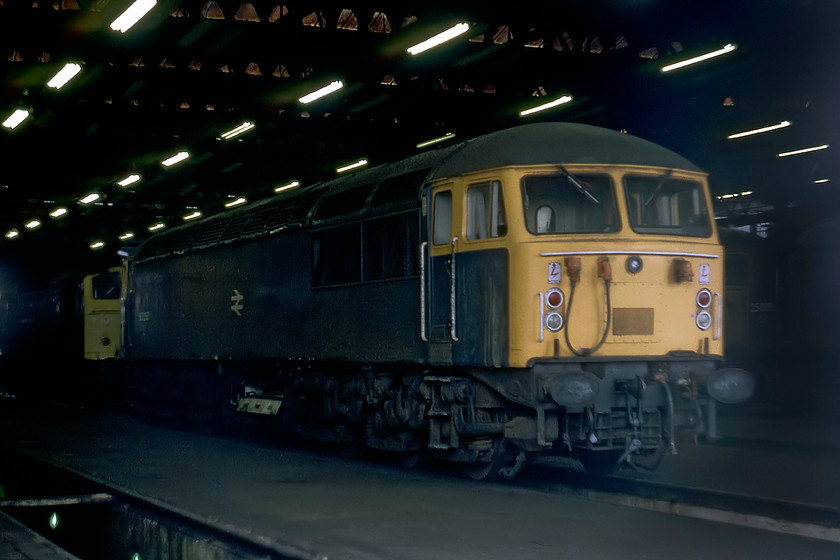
[
  {"x": 664, "y": 205},
  {"x": 485, "y": 211},
  {"x": 106, "y": 286},
  {"x": 569, "y": 203},
  {"x": 442, "y": 218}
]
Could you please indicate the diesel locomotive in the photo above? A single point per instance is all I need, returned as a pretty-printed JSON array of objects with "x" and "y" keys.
[{"x": 547, "y": 289}]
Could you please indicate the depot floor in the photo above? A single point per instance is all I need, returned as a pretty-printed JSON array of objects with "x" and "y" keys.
[{"x": 347, "y": 509}]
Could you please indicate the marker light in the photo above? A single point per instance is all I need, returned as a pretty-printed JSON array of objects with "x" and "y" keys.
[
  {"x": 319, "y": 93},
  {"x": 64, "y": 75},
  {"x": 554, "y": 321},
  {"x": 440, "y": 38},
  {"x": 704, "y": 298},
  {"x": 554, "y": 298},
  {"x": 728, "y": 48},
  {"x": 703, "y": 320}
]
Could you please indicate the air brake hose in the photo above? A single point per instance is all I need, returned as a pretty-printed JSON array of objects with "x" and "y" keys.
[{"x": 605, "y": 273}]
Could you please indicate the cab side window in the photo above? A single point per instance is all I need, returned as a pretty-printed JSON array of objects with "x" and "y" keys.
[
  {"x": 485, "y": 211},
  {"x": 442, "y": 218}
]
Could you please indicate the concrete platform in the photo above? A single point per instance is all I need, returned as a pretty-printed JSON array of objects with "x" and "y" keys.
[{"x": 350, "y": 510}]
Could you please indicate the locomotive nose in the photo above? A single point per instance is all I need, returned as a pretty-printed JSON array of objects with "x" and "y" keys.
[{"x": 730, "y": 385}]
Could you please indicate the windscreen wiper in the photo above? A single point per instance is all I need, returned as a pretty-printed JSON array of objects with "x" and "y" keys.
[
  {"x": 579, "y": 185},
  {"x": 658, "y": 187}
]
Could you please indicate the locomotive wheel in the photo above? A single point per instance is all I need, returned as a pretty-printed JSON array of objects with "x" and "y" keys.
[{"x": 489, "y": 471}]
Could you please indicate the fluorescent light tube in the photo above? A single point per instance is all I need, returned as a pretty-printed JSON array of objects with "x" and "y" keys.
[
  {"x": 728, "y": 48},
  {"x": 126, "y": 236},
  {"x": 437, "y": 140},
  {"x": 782, "y": 124},
  {"x": 130, "y": 180},
  {"x": 241, "y": 129},
  {"x": 288, "y": 186},
  {"x": 802, "y": 151},
  {"x": 319, "y": 93},
  {"x": 157, "y": 226},
  {"x": 33, "y": 224},
  {"x": 237, "y": 202},
  {"x": 440, "y": 38},
  {"x": 544, "y": 106},
  {"x": 16, "y": 118},
  {"x": 132, "y": 15},
  {"x": 92, "y": 197},
  {"x": 64, "y": 75},
  {"x": 58, "y": 212},
  {"x": 97, "y": 245},
  {"x": 180, "y": 156},
  {"x": 12, "y": 233},
  {"x": 354, "y": 165}
]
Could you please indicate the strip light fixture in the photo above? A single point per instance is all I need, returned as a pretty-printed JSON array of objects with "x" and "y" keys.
[
  {"x": 157, "y": 227},
  {"x": 728, "y": 48},
  {"x": 16, "y": 118},
  {"x": 64, "y": 75},
  {"x": 437, "y": 140},
  {"x": 319, "y": 93},
  {"x": 803, "y": 151},
  {"x": 287, "y": 187},
  {"x": 96, "y": 245},
  {"x": 92, "y": 197},
  {"x": 783, "y": 124},
  {"x": 33, "y": 224},
  {"x": 439, "y": 39},
  {"x": 58, "y": 212},
  {"x": 236, "y": 202},
  {"x": 132, "y": 15},
  {"x": 559, "y": 101},
  {"x": 354, "y": 165},
  {"x": 192, "y": 215},
  {"x": 126, "y": 236},
  {"x": 12, "y": 233},
  {"x": 130, "y": 180},
  {"x": 177, "y": 158},
  {"x": 241, "y": 129}
]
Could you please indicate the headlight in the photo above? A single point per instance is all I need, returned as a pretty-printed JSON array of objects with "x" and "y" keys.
[
  {"x": 703, "y": 320},
  {"x": 634, "y": 264}
]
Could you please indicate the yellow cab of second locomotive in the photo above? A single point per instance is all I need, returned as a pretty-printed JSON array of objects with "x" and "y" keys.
[{"x": 604, "y": 260}]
